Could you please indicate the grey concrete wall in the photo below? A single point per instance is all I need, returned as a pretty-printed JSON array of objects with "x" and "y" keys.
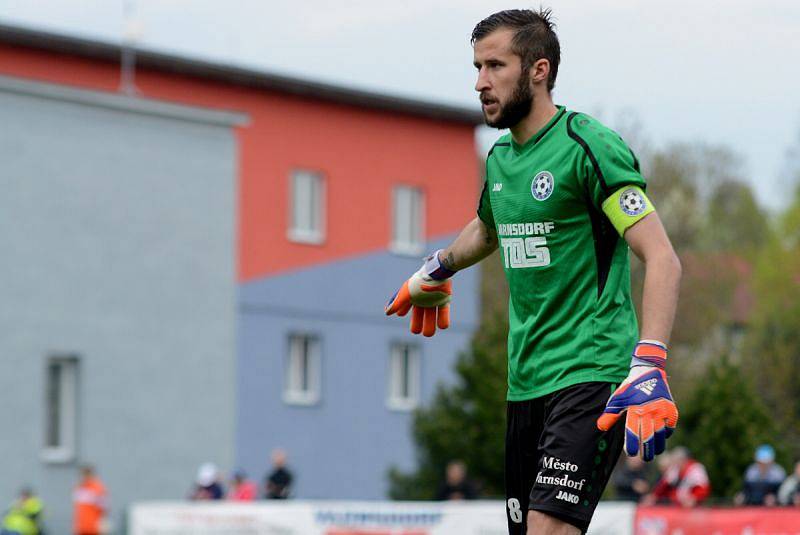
[{"x": 117, "y": 221}]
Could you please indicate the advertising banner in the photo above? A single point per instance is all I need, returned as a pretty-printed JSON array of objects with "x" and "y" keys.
[
  {"x": 344, "y": 518},
  {"x": 717, "y": 521}
]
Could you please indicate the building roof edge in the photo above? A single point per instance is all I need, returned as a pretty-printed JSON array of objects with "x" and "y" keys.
[{"x": 149, "y": 59}]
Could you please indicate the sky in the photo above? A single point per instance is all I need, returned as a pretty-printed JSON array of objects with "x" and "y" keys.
[{"x": 721, "y": 73}]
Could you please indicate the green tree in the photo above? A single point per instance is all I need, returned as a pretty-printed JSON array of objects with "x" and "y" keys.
[
  {"x": 722, "y": 423},
  {"x": 734, "y": 222},
  {"x": 772, "y": 349},
  {"x": 790, "y": 228}
]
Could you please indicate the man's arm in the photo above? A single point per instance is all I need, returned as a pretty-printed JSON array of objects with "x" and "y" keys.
[
  {"x": 650, "y": 243},
  {"x": 427, "y": 292},
  {"x": 476, "y": 242},
  {"x": 653, "y": 415}
]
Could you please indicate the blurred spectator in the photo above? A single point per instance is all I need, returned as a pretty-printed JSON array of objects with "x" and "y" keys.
[
  {"x": 664, "y": 462},
  {"x": 456, "y": 485},
  {"x": 632, "y": 479},
  {"x": 684, "y": 482},
  {"x": 789, "y": 491},
  {"x": 207, "y": 485},
  {"x": 279, "y": 481},
  {"x": 24, "y": 517},
  {"x": 242, "y": 489},
  {"x": 762, "y": 479},
  {"x": 90, "y": 502}
]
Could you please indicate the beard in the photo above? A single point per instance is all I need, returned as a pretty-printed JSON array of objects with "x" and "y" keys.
[{"x": 517, "y": 107}]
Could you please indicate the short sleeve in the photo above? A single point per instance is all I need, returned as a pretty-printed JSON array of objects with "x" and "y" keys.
[
  {"x": 485, "y": 206},
  {"x": 484, "y": 202},
  {"x": 608, "y": 164}
]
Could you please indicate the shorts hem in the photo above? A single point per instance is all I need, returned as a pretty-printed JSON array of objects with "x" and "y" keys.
[{"x": 562, "y": 514}]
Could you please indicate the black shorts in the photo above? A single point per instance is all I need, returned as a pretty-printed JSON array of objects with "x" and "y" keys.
[{"x": 557, "y": 461}]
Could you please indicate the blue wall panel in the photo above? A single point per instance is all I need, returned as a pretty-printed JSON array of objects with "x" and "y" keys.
[{"x": 343, "y": 446}]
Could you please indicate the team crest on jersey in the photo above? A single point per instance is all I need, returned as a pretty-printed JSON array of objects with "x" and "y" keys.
[
  {"x": 542, "y": 185},
  {"x": 632, "y": 202}
]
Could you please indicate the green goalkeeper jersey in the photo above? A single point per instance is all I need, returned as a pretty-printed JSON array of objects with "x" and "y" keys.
[{"x": 571, "y": 318}]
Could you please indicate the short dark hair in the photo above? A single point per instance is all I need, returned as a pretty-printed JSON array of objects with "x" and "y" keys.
[{"x": 534, "y": 37}]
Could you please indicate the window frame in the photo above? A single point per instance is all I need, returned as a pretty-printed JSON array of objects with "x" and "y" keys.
[
  {"x": 412, "y": 374},
  {"x": 408, "y": 248},
  {"x": 312, "y": 366},
  {"x": 303, "y": 235},
  {"x": 65, "y": 451}
]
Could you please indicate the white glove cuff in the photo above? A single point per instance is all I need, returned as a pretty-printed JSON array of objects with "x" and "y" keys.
[{"x": 434, "y": 269}]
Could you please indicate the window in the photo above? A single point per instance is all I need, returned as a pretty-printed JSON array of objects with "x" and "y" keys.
[
  {"x": 61, "y": 409},
  {"x": 307, "y": 207},
  {"x": 408, "y": 220},
  {"x": 303, "y": 371},
  {"x": 404, "y": 377}
]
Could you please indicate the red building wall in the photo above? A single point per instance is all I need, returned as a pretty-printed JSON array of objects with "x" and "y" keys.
[{"x": 362, "y": 152}]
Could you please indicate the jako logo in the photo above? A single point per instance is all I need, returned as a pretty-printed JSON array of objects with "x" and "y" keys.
[
  {"x": 567, "y": 496},
  {"x": 497, "y": 186}
]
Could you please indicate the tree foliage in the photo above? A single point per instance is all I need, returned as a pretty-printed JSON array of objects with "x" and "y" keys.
[
  {"x": 722, "y": 422},
  {"x": 735, "y": 221},
  {"x": 772, "y": 349}
]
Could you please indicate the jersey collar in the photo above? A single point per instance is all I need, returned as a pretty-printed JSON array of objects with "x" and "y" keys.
[{"x": 541, "y": 133}]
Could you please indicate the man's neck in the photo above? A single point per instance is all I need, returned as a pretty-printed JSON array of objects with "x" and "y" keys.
[{"x": 534, "y": 121}]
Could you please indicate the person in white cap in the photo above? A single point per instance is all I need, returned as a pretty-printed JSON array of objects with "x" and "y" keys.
[{"x": 207, "y": 484}]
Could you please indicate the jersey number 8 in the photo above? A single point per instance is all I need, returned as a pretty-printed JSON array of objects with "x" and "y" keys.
[{"x": 514, "y": 510}]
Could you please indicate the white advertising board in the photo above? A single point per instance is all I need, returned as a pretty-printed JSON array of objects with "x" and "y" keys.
[{"x": 345, "y": 518}]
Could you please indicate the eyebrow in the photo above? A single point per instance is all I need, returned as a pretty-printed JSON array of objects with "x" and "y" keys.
[{"x": 477, "y": 64}]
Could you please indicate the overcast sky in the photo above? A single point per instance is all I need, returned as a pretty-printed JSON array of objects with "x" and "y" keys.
[{"x": 711, "y": 71}]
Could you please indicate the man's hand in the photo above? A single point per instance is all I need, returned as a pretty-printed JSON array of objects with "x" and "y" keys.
[
  {"x": 652, "y": 414},
  {"x": 427, "y": 295}
]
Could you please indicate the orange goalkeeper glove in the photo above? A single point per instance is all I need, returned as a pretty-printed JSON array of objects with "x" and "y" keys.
[
  {"x": 427, "y": 295},
  {"x": 652, "y": 414}
]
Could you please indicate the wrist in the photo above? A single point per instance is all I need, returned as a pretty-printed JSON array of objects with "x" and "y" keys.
[
  {"x": 649, "y": 353},
  {"x": 435, "y": 269}
]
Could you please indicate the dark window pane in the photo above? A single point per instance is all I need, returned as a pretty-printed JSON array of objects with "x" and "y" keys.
[
  {"x": 406, "y": 377},
  {"x": 53, "y": 430},
  {"x": 304, "y": 366}
]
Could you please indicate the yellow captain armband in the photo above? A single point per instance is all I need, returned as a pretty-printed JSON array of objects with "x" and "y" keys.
[{"x": 626, "y": 206}]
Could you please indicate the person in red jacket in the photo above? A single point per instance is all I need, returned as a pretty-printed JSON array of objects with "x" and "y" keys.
[
  {"x": 685, "y": 482},
  {"x": 242, "y": 489},
  {"x": 89, "y": 500}
]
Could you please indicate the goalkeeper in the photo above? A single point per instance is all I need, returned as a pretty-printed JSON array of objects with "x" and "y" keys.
[{"x": 564, "y": 199}]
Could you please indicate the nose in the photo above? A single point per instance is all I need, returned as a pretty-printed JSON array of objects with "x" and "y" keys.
[{"x": 482, "y": 83}]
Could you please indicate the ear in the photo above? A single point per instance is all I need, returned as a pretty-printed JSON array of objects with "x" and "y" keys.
[{"x": 539, "y": 72}]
